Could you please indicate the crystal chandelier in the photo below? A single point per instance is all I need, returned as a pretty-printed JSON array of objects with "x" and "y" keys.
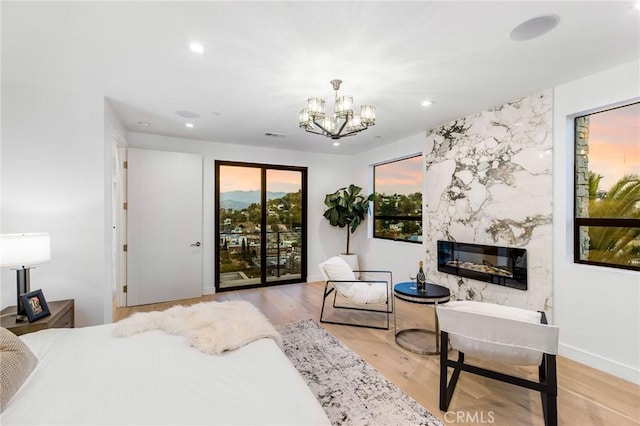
[{"x": 343, "y": 122}]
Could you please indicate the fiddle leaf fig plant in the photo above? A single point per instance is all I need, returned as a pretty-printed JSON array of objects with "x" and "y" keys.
[{"x": 347, "y": 208}]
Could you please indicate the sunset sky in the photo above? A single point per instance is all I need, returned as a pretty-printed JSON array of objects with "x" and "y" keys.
[
  {"x": 400, "y": 177},
  {"x": 283, "y": 181},
  {"x": 235, "y": 178},
  {"x": 614, "y": 143}
]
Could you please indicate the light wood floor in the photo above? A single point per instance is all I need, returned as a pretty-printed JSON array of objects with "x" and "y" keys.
[{"x": 585, "y": 396}]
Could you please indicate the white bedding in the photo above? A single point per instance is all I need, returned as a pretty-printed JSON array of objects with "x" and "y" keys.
[{"x": 85, "y": 376}]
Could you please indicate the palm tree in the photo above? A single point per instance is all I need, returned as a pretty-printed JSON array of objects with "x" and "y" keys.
[
  {"x": 622, "y": 201},
  {"x": 594, "y": 185}
]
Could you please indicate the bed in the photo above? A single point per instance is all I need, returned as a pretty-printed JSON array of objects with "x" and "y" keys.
[{"x": 87, "y": 376}]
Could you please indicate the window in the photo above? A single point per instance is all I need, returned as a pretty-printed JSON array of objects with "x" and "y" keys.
[
  {"x": 607, "y": 188},
  {"x": 397, "y": 212}
]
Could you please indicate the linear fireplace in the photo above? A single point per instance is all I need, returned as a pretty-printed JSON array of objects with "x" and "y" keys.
[{"x": 497, "y": 265}]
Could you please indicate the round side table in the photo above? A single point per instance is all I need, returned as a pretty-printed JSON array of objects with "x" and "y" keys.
[{"x": 434, "y": 295}]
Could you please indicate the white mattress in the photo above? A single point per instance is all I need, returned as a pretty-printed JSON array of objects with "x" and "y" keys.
[{"x": 87, "y": 377}]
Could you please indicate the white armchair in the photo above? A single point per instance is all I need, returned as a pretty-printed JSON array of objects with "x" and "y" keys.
[
  {"x": 364, "y": 294},
  {"x": 499, "y": 333}
]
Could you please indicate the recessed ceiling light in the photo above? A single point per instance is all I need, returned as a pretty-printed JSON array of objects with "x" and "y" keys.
[
  {"x": 426, "y": 103},
  {"x": 187, "y": 114},
  {"x": 196, "y": 47},
  {"x": 144, "y": 124},
  {"x": 336, "y": 144},
  {"x": 638, "y": 6},
  {"x": 189, "y": 125},
  {"x": 534, "y": 27}
]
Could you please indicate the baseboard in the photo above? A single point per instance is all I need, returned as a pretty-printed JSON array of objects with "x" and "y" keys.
[
  {"x": 615, "y": 368},
  {"x": 314, "y": 278}
]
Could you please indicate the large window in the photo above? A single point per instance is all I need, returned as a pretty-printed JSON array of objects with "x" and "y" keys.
[
  {"x": 607, "y": 188},
  {"x": 397, "y": 211}
]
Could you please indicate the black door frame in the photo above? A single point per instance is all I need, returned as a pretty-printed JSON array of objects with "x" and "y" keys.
[{"x": 263, "y": 224}]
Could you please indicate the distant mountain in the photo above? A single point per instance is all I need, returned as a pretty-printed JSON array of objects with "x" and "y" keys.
[
  {"x": 239, "y": 200},
  {"x": 233, "y": 205}
]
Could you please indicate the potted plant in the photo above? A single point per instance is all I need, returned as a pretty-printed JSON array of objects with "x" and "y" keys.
[{"x": 347, "y": 208}]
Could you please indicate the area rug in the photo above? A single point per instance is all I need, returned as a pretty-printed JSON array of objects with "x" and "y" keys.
[{"x": 350, "y": 390}]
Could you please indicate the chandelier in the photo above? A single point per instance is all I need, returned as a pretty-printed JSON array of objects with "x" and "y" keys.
[{"x": 343, "y": 122}]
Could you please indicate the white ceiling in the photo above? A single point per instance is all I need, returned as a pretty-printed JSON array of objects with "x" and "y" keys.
[{"x": 263, "y": 59}]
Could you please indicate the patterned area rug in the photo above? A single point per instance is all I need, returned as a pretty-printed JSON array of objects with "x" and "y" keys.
[{"x": 351, "y": 391}]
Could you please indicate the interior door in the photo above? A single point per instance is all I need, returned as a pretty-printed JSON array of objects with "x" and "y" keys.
[
  {"x": 164, "y": 247},
  {"x": 120, "y": 215}
]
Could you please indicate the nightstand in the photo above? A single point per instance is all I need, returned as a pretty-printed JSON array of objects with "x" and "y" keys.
[{"x": 62, "y": 316}]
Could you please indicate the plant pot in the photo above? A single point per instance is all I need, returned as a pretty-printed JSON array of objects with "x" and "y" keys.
[{"x": 352, "y": 261}]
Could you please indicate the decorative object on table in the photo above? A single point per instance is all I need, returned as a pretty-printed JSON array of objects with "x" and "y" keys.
[
  {"x": 363, "y": 295},
  {"x": 412, "y": 275},
  {"x": 22, "y": 252},
  {"x": 421, "y": 279},
  {"x": 343, "y": 122},
  {"x": 349, "y": 389},
  {"x": 517, "y": 337},
  {"x": 35, "y": 305},
  {"x": 347, "y": 208}
]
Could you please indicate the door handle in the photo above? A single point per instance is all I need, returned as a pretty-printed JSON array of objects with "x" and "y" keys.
[{"x": 196, "y": 244}]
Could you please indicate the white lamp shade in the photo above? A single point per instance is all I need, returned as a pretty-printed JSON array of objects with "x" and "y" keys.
[
  {"x": 329, "y": 124},
  {"x": 354, "y": 124},
  {"x": 368, "y": 114},
  {"x": 316, "y": 107},
  {"x": 344, "y": 106},
  {"x": 24, "y": 249}
]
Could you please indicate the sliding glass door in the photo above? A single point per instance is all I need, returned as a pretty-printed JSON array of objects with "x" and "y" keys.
[{"x": 260, "y": 224}]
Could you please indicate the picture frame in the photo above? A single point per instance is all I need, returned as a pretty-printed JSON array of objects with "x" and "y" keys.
[{"x": 35, "y": 305}]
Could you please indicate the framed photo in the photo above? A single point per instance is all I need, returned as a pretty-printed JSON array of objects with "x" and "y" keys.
[{"x": 35, "y": 305}]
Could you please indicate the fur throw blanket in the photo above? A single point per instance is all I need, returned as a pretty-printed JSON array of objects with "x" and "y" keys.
[{"x": 210, "y": 327}]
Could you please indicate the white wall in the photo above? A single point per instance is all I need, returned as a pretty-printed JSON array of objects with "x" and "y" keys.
[
  {"x": 53, "y": 180},
  {"x": 326, "y": 173},
  {"x": 375, "y": 253},
  {"x": 597, "y": 308}
]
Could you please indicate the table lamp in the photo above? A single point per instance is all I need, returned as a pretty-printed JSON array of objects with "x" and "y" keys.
[{"x": 21, "y": 252}]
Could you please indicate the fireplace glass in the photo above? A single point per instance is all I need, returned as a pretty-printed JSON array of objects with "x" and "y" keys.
[{"x": 504, "y": 266}]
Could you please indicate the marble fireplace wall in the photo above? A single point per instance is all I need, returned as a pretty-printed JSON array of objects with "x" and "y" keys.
[{"x": 489, "y": 181}]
